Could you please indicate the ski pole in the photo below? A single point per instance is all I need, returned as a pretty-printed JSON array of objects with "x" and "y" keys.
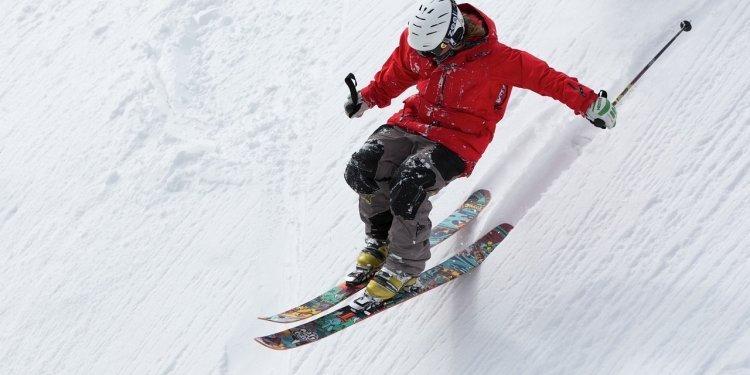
[
  {"x": 684, "y": 26},
  {"x": 351, "y": 82}
]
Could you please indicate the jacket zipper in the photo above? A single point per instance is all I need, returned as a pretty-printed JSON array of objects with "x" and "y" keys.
[{"x": 441, "y": 85}]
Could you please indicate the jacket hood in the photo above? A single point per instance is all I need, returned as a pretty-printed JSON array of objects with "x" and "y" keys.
[{"x": 489, "y": 24}]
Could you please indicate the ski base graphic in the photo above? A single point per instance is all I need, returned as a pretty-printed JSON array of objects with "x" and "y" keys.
[{"x": 336, "y": 321}]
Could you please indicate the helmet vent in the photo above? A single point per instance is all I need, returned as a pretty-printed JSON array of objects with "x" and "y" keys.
[{"x": 436, "y": 22}]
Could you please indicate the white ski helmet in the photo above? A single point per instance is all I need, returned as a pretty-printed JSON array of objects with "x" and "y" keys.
[{"x": 435, "y": 22}]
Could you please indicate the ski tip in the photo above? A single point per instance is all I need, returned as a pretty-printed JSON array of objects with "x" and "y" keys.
[
  {"x": 271, "y": 344},
  {"x": 481, "y": 197},
  {"x": 287, "y": 317},
  {"x": 483, "y": 194},
  {"x": 504, "y": 229}
]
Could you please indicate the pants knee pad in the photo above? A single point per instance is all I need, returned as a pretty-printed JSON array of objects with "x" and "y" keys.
[
  {"x": 409, "y": 188},
  {"x": 360, "y": 172}
]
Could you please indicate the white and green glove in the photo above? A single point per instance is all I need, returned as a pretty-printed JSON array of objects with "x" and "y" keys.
[
  {"x": 602, "y": 113},
  {"x": 353, "y": 109}
]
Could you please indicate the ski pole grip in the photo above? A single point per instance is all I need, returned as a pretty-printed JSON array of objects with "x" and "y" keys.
[{"x": 599, "y": 123}]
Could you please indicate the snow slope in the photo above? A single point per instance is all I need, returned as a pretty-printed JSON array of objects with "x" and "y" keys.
[{"x": 173, "y": 169}]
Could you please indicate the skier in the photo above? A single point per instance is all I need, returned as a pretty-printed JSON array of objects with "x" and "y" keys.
[{"x": 464, "y": 78}]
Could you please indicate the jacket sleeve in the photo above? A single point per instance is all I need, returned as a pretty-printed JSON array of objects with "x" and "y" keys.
[
  {"x": 526, "y": 71},
  {"x": 393, "y": 78}
]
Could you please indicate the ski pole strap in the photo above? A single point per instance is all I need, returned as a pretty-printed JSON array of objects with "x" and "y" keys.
[
  {"x": 351, "y": 82},
  {"x": 353, "y": 107},
  {"x": 684, "y": 26}
]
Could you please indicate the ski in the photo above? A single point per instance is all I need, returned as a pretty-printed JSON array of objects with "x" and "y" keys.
[
  {"x": 338, "y": 320},
  {"x": 455, "y": 221}
]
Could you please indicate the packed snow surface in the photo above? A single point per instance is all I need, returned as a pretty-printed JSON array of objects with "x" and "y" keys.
[{"x": 171, "y": 170}]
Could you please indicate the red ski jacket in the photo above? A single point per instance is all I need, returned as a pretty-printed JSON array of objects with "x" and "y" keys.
[{"x": 461, "y": 99}]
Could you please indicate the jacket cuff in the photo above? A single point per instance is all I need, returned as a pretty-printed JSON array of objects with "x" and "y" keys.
[
  {"x": 587, "y": 103},
  {"x": 367, "y": 97}
]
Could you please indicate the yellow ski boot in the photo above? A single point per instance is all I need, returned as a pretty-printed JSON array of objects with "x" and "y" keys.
[
  {"x": 384, "y": 286},
  {"x": 369, "y": 261}
]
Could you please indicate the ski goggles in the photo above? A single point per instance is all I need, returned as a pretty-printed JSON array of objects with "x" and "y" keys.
[{"x": 440, "y": 50}]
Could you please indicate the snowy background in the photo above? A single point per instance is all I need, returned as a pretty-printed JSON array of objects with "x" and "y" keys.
[{"x": 171, "y": 170}]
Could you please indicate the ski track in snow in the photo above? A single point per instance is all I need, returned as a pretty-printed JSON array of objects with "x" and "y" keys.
[{"x": 171, "y": 170}]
